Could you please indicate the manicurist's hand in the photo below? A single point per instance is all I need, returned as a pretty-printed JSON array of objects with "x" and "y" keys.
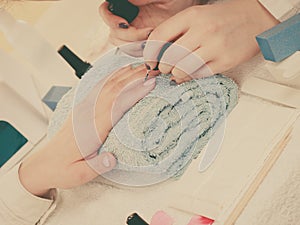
[
  {"x": 208, "y": 39},
  {"x": 65, "y": 161},
  {"x": 151, "y": 14}
]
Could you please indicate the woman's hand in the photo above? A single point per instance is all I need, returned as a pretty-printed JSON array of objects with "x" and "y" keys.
[
  {"x": 208, "y": 39},
  {"x": 151, "y": 14},
  {"x": 61, "y": 163}
]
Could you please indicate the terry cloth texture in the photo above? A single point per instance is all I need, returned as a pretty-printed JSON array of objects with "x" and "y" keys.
[{"x": 159, "y": 136}]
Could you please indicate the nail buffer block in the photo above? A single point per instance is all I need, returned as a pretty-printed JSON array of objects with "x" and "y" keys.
[{"x": 281, "y": 41}]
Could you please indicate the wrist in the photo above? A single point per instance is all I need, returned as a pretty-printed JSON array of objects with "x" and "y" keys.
[
  {"x": 258, "y": 14},
  {"x": 37, "y": 172}
]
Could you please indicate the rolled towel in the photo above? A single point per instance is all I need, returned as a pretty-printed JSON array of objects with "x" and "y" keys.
[{"x": 158, "y": 137}]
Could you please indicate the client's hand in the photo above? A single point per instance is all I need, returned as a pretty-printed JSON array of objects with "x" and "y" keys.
[{"x": 62, "y": 163}]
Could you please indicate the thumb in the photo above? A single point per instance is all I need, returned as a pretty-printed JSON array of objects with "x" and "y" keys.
[{"x": 102, "y": 163}]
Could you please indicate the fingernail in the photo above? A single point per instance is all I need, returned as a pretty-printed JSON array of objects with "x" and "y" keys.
[
  {"x": 147, "y": 66},
  {"x": 173, "y": 83},
  {"x": 156, "y": 67},
  {"x": 106, "y": 162},
  {"x": 123, "y": 25},
  {"x": 143, "y": 45},
  {"x": 149, "y": 33},
  {"x": 149, "y": 82}
]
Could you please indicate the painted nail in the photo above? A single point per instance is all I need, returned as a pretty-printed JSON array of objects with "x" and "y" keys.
[
  {"x": 173, "y": 83},
  {"x": 147, "y": 66},
  {"x": 123, "y": 25},
  {"x": 143, "y": 45},
  {"x": 106, "y": 162},
  {"x": 149, "y": 82},
  {"x": 149, "y": 33}
]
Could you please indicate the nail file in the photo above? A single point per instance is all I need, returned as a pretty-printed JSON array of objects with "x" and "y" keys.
[
  {"x": 147, "y": 74},
  {"x": 281, "y": 41}
]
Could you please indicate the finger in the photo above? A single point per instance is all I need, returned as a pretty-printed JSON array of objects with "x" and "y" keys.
[
  {"x": 86, "y": 170},
  {"x": 200, "y": 220},
  {"x": 192, "y": 62},
  {"x": 162, "y": 34},
  {"x": 112, "y": 79},
  {"x": 134, "y": 49},
  {"x": 86, "y": 133},
  {"x": 183, "y": 80},
  {"x": 161, "y": 218},
  {"x": 102, "y": 163},
  {"x": 110, "y": 19},
  {"x": 184, "y": 46},
  {"x": 131, "y": 94},
  {"x": 205, "y": 70},
  {"x": 127, "y": 74},
  {"x": 131, "y": 34},
  {"x": 144, "y": 2}
]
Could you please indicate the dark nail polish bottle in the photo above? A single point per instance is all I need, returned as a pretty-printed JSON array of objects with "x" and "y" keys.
[
  {"x": 74, "y": 61},
  {"x": 124, "y": 9},
  {"x": 135, "y": 219}
]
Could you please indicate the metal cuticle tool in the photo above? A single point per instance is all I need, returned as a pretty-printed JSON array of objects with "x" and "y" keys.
[
  {"x": 148, "y": 71},
  {"x": 163, "y": 49}
]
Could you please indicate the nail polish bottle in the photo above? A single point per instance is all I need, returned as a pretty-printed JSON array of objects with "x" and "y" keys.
[
  {"x": 135, "y": 219},
  {"x": 124, "y": 9},
  {"x": 49, "y": 68}
]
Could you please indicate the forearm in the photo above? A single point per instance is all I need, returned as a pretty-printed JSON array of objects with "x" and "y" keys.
[{"x": 36, "y": 171}]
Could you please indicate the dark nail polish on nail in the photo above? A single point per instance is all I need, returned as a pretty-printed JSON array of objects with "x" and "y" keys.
[
  {"x": 149, "y": 33},
  {"x": 143, "y": 45},
  {"x": 173, "y": 83},
  {"x": 147, "y": 66},
  {"x": 123, "y": 25},
  {"x": 156, "y": 67}
]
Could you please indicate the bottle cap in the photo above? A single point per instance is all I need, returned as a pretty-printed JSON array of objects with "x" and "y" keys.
[{"x": 75, "y": 62}]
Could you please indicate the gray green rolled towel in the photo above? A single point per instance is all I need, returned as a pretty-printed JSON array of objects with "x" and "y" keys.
[{"x": 159, "y": 136}]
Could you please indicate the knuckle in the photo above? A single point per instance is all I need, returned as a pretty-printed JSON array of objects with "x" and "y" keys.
[
  {"x": 226, "y": 63},
  {"x": 193, "y": 12}
]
